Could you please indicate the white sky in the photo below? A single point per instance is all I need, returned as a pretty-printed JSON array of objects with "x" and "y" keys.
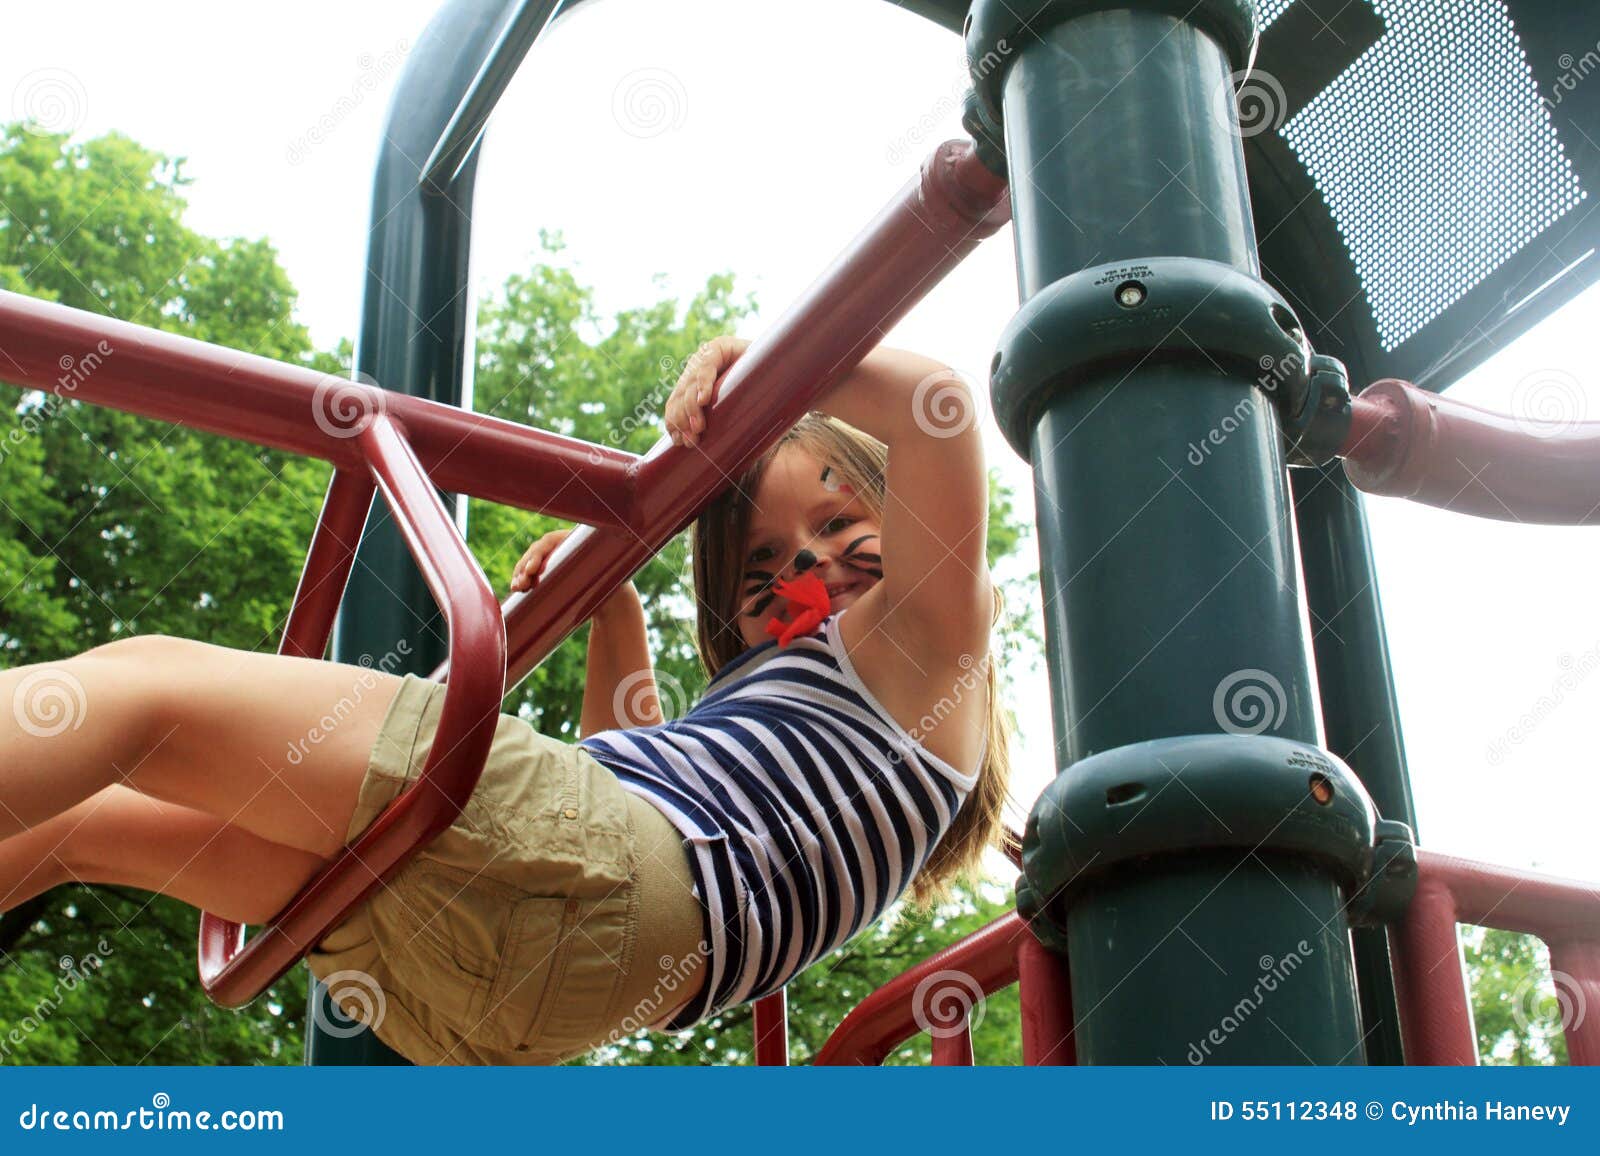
[{"x": 752, "y": 136}]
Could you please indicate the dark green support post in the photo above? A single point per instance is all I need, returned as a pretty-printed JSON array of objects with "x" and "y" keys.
[
  {"x": 415, "y": 320},
  {"x": 1197, "y": 851},
  {"x": 1359, "y": 710}
]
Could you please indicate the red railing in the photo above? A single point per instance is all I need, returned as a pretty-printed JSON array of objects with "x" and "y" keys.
[
  {"x": 1409, "y": 443},
  {"x": 628, "y": 506},
  {"x": 937, "y": 996},
  {"x": 1435, "y": 1011}
]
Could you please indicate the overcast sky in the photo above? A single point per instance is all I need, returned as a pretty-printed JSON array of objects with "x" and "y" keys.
[{"x": 759, "y": 137}]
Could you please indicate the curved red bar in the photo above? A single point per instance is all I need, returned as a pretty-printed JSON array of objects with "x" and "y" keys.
[
  {"x": 1410, "y": 443},
  {"x": 1435, "y": 1010},
  {"x": 234, "y": 972},
  {"x": 889, "y": 1016}
]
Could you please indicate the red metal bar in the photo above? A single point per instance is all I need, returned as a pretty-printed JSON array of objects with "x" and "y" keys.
[
  {"x": 925, "y": 231},
  {"x": 953, "y": 1049},
  {"x": 1435, "y": 1011},
  {"x": 328, "y": 563},
  {"x": 890, "y": 1016},
  {"x": 254, "y": 399},
  {"x": 234, "y": 972},
  {"x": 1410, "y": 443},
  {"x": 1576, "y": 967},
  {"x": 772, "y": 1029},
  {"x": 1045, "y": 989}
]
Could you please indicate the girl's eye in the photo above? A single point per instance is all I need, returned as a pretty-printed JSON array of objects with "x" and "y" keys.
[{"x": 840, "y": 522}]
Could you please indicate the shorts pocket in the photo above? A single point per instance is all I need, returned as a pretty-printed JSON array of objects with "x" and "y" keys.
[{"x": 481, "y": 953}]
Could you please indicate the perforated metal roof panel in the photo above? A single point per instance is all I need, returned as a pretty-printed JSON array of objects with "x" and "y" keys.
[
  {"x": 1433, "y": 199},
  {"x": 1422, "y": 171}
]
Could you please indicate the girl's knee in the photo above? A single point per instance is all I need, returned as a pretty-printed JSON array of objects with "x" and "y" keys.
[{"x": 155, "y": 650}]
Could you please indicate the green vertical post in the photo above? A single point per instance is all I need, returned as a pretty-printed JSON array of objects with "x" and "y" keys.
[
  {"x": 1132, "y": 380},
  {"x": 1359, "y": 709}
]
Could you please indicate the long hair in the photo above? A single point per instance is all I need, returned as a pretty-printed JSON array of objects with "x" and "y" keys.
[{"x": 718, "y": 547}]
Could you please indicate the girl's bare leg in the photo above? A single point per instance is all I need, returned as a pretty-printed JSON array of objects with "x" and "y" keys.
[
  {"x": 119, "y": 836},
  {"x": 272, "y": 745}
]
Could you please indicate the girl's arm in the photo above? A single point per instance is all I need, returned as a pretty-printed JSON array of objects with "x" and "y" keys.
[
  {"x": 618, "y": 648},
  {"x": 936, "y": 506},
  {"x": 619, "y": 652}
]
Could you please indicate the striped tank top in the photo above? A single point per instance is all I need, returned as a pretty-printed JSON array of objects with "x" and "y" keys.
[{"x": 808, "y": 810}]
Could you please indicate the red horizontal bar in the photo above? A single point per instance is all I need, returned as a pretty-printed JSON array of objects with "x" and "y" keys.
[
  {"x": 930, "y": 226},
  {"x": 1410, "y": 443},
  {"x": 76, "y": 354},
  {"x": 1435, "y": 1010}
]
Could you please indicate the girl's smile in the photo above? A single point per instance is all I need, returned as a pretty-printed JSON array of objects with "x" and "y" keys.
[{"x": 805, "y": 520}]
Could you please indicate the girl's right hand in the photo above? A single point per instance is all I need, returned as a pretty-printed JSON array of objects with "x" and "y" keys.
[{"x": 694, "y": 393}]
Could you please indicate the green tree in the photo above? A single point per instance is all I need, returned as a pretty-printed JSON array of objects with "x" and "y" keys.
[
  {"x": 115, "y": 525},
  {"x": 1518, "y": 1007}
]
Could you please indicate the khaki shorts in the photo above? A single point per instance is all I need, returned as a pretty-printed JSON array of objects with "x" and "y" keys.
[{"x": 553, "y": 916}]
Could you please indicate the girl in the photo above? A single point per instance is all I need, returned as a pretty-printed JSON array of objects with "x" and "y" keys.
[{"x": 648, "y": 875}]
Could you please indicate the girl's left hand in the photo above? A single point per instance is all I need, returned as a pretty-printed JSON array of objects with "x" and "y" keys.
[{"x": 685, "y": 412}]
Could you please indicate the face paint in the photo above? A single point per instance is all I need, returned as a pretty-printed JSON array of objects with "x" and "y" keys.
[
  {"x": 832, "y": 484},
  {"x": 761, "y": 591},
  {"x": 858, "y": 556}
]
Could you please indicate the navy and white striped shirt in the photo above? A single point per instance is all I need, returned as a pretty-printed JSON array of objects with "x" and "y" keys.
[{"x": 807, "y": 808}]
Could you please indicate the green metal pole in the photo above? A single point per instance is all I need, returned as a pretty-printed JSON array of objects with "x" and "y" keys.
[
  {"x": 1196, "y": 930},
  {"x": 1359, "y": 708}
]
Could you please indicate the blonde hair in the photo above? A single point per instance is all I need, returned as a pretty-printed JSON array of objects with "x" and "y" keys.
[{"x": 718, "y": 543}]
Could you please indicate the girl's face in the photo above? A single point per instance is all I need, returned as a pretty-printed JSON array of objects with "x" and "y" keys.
[{"x": 802, "y": 504}]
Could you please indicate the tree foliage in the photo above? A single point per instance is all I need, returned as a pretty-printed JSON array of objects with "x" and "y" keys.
[{"x": 1518, "y": 1008}]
